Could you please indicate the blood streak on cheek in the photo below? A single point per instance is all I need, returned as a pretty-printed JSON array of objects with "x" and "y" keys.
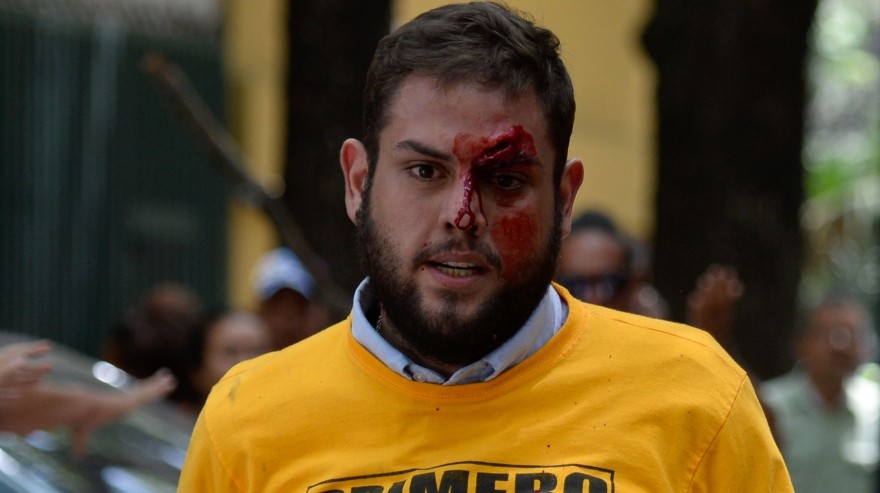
[
  {"x": 514, "y": 235},
  {"x": 480, "y": 154}
]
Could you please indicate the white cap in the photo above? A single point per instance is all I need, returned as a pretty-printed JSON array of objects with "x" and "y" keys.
[{"x": 278, "y": 269}]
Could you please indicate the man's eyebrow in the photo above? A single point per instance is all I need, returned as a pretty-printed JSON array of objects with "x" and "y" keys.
[{"x": 423, "y": 149}]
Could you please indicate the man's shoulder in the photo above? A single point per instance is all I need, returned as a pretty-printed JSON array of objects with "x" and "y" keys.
[
  {"x": 664, "y": 335},
  {"x": 669, "y": 369},
  {"x": 658, "y": 346},
  {"x": 616, "y": 327},
  {"x": 282, "y": 374}
]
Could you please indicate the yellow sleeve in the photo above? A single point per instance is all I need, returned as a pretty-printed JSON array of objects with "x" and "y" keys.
[
  {"x": 743, "y": 456},
  {"x": 203, "y": 470}
]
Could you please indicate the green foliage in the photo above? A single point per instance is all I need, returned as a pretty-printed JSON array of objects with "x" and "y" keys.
[{"x": 842, "y": 150}]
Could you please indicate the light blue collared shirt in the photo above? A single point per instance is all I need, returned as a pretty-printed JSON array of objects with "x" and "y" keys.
[{"x": 542, "y": 325}]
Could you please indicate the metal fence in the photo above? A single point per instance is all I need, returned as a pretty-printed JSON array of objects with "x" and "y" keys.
[{"x": 102, "y": 194}]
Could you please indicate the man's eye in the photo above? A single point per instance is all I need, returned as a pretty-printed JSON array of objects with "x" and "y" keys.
[
  {"x": 507, "y": 182},
  {"x": 424, "y": 171}
]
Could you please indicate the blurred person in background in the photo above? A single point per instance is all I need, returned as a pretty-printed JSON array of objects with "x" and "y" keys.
[
  {"x": 152, "y": 334},
  {"x": 828, "y": 406},
  {"x": 27, "y": 403},
  {"x": 599, "y": 264},
  {"x": 286, "y": 294},
  {"x": 215, "y": 345}
]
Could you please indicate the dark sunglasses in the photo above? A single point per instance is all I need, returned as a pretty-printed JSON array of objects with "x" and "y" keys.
[{"x": 595, "y": 289}]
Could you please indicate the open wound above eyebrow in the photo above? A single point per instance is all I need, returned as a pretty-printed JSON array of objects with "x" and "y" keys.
[{"x": 506, "y": 148}]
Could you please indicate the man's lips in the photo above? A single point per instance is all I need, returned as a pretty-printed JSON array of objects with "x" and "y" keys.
[
  {"x": 452, "y": 261},
  {"x": 457, "y": 269}
]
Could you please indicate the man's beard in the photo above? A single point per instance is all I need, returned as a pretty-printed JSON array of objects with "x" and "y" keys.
[{"x": 444, "y": 335}]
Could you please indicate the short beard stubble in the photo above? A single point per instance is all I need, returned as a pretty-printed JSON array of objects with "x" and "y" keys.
[{"x": 444, "y": 336}]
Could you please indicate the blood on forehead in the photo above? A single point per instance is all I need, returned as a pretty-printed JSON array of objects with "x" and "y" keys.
[{"x": 475, "y": 153}]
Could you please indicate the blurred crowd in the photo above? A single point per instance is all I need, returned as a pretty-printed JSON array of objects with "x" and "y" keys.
[
  {"x": 174, "y": 347},
  {"x": 171, "y": 329}
]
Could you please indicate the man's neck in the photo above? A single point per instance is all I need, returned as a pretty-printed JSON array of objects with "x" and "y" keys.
[{"x": 390, "y": 333}]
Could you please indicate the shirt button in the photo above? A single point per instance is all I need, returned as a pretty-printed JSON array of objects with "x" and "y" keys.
[{"x": 419, "y": 377}]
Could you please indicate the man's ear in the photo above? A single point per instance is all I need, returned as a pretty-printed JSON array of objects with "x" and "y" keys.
[
  {"x": 572, "y": 177},
  {"x": 353, "y": 160}
]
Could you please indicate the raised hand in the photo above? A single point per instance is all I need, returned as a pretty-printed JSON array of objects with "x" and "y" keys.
[{"x": 712, "y": 303}]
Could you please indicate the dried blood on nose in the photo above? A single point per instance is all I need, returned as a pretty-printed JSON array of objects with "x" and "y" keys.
[{"x": 507, "y": 148}]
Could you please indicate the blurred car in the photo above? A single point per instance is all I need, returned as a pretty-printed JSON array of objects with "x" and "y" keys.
[{"x": 143, "y": 452}]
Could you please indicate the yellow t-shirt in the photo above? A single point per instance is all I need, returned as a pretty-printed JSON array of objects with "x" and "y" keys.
[{"x": 614, "y": 402}]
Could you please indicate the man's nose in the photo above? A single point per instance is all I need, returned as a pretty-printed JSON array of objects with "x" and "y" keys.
[{"x": 464, "y": 208}]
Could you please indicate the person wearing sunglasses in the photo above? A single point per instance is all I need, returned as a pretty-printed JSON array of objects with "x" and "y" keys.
[{"x": 601, "y": 265}]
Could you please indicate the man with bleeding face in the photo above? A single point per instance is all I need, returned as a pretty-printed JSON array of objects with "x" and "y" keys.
[
  {"x": 462, "y": 367},
  {"x": 459, "y": 218}
]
